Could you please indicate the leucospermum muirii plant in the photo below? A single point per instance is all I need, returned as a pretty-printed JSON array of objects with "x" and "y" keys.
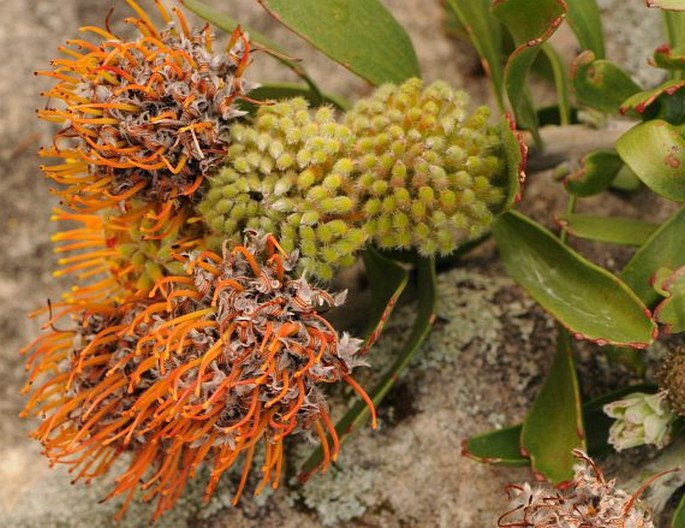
[{"x": 194, "y": 332}]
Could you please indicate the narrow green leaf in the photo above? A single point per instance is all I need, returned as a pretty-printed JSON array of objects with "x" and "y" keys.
[
  {"x": 626, "y": 356},
  {"x": 228, "y": 24},
  {"x": 597, "y": 170},
  {"x": 485, "y": 34},
  {"x": 655, "y": 151},
  {"x": 600, "y": 84},
  {"x": 500, "y": 447},
  {"x": 585, "y": 21},
  {"x": 614, "y": 230},
  {"x": 531, "y": 22},
  {"x": 560, "y": 82},
  {"x": 359, "y": 34},
  {"x": 554, "y": 424},
  {"x": 588, "y": 300},
  {"x": 276, "y": 91},
  {"x": 678, "y": 520},
  {"x": 674, "y": 5},
  {"x": 675, "y": 31},
  {"x": 426, "y": 286},
  {"x": 668, "y": 59},
  {"x": 515, "y": 153},
  {"x": 664, "y": 248},
  {"x": 451, "y": 23},
  {"x": 671, "y": 311},
  {"x": 641, "y": 100},
  {"x": 388, "y": 279}
]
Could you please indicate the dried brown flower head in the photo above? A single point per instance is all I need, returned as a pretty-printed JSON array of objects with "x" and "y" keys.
[
  {"x": 146, "y": 118},
  {"x": 589, "y": 501},
  {"x": 204, "y": 368},
  {"x": 672, "y": 379}
]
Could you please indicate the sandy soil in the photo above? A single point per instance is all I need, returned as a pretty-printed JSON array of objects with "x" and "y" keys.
[{"x": 480, "y": 370}]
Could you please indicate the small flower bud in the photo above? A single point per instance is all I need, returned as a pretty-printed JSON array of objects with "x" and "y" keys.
[{"x": 641, "y": 419}]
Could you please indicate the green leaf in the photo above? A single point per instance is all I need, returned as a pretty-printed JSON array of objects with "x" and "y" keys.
[
  {"x": 600, "y": 84},
  {"x": 615, "y": 230},
  {"x": 554, "y": 424},
  {"x": 387, "y": 279},
  {"x": 626, "y": 356},
  {"x": 655, "y": 151},
  {"x": 597, "y": 170},
  {"x": 531, "y": 22},
  {"x": 675, "y": 5},
  {"x": 584, "y": 19},
  {"x": 626, "y": 180},
  {"x": 675, "y": 30},
  {"x": 640, "y": 101},
  {"x": 276, "y": 91},
  {"x": 586, "y": 299},
  {"x": 485, "y": 34},
  {"x": 359, "y": 34},
  {"x": 228, "y": 24},
  {"x": 668, "y": 59},
  {"x": 671, "y": 311},
  {"x": 425, "y": 316},
  {"x": 515, "y": 153},
  {"x": 500, "y": 447},
  {"x": 451, "y": 23},
  {"x": 560, "y": 82},
  {"x": 664, "y": 248},
  {"x": 678, "y": 520}
]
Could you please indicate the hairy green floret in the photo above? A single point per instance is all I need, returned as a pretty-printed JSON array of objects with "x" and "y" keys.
[
  {"x": 289, "y": 174},
  {"x": 429, "y": 173}
]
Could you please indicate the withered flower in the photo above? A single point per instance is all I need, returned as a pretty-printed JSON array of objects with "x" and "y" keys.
[
  {"x": 204, "y": 368},
  {"x": 145, "y": 118},
  {"x": 589, "y": 501}
]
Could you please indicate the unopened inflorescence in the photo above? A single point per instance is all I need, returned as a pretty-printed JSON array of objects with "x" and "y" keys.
[{"x": 408, "y": 168}]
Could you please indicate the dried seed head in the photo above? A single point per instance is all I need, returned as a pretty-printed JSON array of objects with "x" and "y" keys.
[
  {"x": 208, "y": 365},
  {"x": 429, "y": 172},
  {"x": 588, "y": 502},
  {"x": 289, "y": 174},
  {"x": 671, "y": 377},
  {"x": 145, "y": 118}
]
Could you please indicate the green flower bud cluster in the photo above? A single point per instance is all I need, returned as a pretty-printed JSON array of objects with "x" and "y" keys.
[
  {"x": 428, "y": 171},
  {"x": 640, "y": 419},
  {"x": 410, "y": 168},
  {"x": 290, "y": 174}
]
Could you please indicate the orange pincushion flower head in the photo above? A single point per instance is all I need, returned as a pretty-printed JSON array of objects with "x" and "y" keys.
[
  {"x": 206, "y": 367},
  {"x": 145, "y": 118},
  {"x": 113, "y": 255}
]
